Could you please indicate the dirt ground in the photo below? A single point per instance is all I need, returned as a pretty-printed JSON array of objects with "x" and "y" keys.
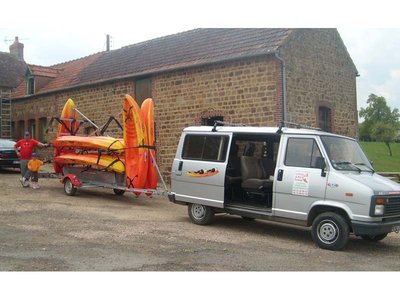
[{"x": 46, "y": 230}]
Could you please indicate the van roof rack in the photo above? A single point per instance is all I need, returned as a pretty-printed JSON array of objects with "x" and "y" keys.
[
  {"x": 294, "y": 125},
  {"x": 221, "y": 123}
]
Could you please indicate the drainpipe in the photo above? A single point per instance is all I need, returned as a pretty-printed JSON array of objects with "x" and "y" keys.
[{"x": 284, "y": 95}]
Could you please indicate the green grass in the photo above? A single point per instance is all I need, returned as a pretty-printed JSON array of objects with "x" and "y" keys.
[{"x": 379, "y": 154}]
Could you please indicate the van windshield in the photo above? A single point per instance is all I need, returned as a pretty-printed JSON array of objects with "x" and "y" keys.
[{"x": 346, "y": 154}]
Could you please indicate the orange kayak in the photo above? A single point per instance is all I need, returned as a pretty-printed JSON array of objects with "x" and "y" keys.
[
  {"x": 136, "y": 160},
  {"x": 92, "y": 142},
  {"x": 147, "y": 111},
  {"x": 68, "y": 114},
  {"x": 106, "y": 162}
]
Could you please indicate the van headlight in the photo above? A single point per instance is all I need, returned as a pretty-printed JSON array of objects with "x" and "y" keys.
[
  {"x": 379, "y": 210},
  {"x": 379, "y": 206}
]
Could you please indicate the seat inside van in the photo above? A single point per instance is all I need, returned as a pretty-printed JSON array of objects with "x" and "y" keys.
[
  {"x": 250, "y": 170},
  {"x": 253, "y": 175}
]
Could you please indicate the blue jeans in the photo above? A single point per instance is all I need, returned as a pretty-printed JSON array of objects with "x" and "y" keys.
[{"x": 25, "y": 172}]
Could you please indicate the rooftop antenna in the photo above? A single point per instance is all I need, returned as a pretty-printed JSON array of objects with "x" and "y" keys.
[{"x": 7, "y": 40}]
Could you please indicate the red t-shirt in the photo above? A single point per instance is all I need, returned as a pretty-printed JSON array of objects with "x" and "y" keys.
[{"x": 26, "y": 148}]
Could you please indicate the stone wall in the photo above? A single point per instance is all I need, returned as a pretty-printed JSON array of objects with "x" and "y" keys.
[
  {"x": 246, "y": 92},
  {"x": 320, "y": 72}
]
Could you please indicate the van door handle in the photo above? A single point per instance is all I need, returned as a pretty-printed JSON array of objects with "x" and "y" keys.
[
  {"x": 280, "y": 175},
  {"x": 179, "y": 171}
]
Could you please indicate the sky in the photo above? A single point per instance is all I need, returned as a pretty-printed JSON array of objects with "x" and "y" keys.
[{"x": 57, "y": 31}]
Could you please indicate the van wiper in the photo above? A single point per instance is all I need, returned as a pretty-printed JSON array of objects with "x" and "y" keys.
[
  {"x": 365, "y": 165},
  {"x": 348, "y": 163}
]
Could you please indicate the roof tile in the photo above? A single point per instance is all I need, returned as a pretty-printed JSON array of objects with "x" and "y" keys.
[{"x": 186, "y": 49}]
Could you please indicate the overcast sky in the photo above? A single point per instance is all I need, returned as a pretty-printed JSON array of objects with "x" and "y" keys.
[{"x": 55, "y": 33}]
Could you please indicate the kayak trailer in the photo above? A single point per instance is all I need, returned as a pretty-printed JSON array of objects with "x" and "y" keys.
[{"x": 74, "y": 177}]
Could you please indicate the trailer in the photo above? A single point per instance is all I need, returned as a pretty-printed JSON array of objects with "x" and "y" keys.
[
  {"x": 83, "y": 164},
  {"x": 74, "y": 177}
]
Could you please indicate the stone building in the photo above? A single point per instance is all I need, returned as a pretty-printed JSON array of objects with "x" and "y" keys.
[{"x": 249, "y": 76}]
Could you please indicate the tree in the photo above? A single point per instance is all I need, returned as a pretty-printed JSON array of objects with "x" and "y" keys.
[
  {"x": 381, "y": 123},
  {"x": 383, "y": 132}
]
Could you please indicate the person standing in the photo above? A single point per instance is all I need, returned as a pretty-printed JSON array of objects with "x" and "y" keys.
[
  {"x": 33, "y": 165},
  {"x": 24, "y": 149}
]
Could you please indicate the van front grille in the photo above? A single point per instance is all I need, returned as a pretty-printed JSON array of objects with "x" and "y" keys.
[{"x": 392, "y": 207}]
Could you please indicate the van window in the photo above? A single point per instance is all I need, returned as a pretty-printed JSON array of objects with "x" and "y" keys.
[
  {"x": 301, "y": 152},
  {"x": 204, "y": 147}
]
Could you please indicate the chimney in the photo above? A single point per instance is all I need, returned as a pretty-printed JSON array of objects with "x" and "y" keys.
[
  {"x": 17, "y": 49},
  {"x": 108, "y": 42}
]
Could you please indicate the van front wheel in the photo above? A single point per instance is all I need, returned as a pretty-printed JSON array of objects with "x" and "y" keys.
[
  {"x": 330, "y": 231},
  {"x": 200, "y": 214}
]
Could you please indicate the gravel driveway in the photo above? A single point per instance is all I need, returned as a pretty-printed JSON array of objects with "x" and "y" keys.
[{"x": 96, "y": 230}]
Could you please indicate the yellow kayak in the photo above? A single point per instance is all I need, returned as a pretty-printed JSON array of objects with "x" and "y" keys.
[
  {"x": 106, "y": 162},
  {"x": 92, "y": 142}
]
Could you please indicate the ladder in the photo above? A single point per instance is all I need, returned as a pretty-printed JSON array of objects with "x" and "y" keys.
[{"x": 5, "y": 117}]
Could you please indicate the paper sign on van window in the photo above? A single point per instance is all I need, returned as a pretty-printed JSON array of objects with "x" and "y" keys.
[{"x": 301, "y": 184}]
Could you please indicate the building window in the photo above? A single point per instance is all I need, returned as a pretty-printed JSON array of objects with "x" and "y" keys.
[
  {"x": 30, "y": 85},
  {"x": 21, "y": 129},
  {"x": 142, "y": 90},
  {"x": 13, "y": 133},
  {"x": 32, "y": 128},
  {"x": 42, "y": 129},
  {"x": 210, "y": 121},
  {"x": 325, "y": 118}
]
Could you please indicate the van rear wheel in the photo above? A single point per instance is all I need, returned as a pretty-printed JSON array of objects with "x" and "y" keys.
[
  {"x": 200, "y": 214},
  {"x": 330, "y": 231}
]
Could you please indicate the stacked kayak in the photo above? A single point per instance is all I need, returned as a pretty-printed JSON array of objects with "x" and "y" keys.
[
  {"x": 147, "y": 111},
  {"x": 134, "y": 155},
  {"x": 99, "y": 162},
  {"x": 85, "y": 142}
]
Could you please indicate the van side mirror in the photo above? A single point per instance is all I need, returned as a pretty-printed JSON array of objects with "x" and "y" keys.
[{"x": 372, "y": 163}]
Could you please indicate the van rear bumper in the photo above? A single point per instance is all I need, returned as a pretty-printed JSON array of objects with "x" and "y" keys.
[
  {"x": 374, "y": 228},
  {"x": 172, "y": 198}
]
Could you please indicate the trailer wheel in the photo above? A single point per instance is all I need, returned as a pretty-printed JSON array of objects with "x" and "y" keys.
[
  {"x": 330, "y": 231},
  {"x": 374, "y": 238},
  {"x": 119, "y": 192},
  {"x": 200, "y": 214},
  {"x": 69, "y": 188}
]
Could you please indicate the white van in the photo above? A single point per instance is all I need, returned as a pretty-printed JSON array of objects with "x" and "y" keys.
[{"x": 299, "y": 176}]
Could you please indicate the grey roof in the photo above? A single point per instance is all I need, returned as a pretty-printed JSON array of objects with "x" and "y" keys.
[
  {"x": 182, "y": 50},
  {"x": 12, "y": 71}
]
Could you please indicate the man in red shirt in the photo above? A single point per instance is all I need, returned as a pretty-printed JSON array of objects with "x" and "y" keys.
[{"x": 24, "y": 149}]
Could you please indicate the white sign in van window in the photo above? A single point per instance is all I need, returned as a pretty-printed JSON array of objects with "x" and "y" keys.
[{"x": 301, "y": 183}]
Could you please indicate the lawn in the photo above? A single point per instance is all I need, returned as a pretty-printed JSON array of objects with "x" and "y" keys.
[{"x": 379, "y": 154}]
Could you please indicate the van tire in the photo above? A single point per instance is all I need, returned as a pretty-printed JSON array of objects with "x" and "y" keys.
[
  {"x": 200, "y": 214},
  {"x": 330, "y": 231},
  {"x": 374, "y": 238}
]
